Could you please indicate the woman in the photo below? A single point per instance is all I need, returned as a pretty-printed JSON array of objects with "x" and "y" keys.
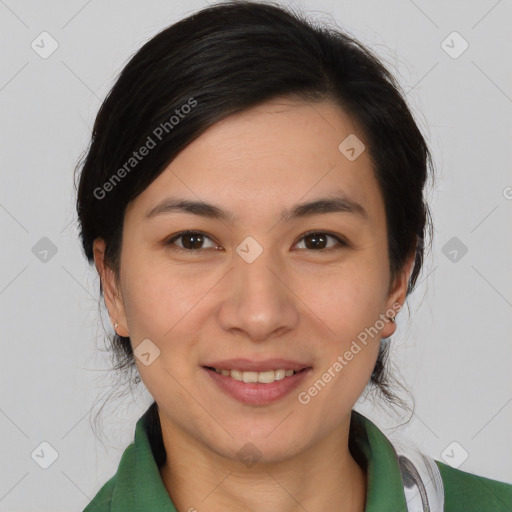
[{"x": 253, "y": 202}]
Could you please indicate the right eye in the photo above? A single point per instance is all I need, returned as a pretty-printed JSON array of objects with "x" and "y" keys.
[{"x": 190, "y": 241}]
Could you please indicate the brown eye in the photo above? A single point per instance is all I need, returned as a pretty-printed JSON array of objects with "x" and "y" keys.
[
  {"x": 190, "y": 241},
  {"x": 319, "y": 240}
]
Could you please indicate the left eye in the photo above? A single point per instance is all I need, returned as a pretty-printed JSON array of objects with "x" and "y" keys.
[
  {"x": 314, "y": 241},
  {"x": 318, "y": 240}
]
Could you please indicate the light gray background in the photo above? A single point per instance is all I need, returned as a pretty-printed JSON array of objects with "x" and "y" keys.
[{"x": 453, "y": 350}]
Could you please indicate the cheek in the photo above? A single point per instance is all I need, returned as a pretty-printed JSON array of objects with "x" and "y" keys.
[
  {"x": 162, "y": 305},
  {"x": 171, "y": 305},
  {"x": 349, "y": 308},
  {"x": 159, "y": 297},
  {"x": 347, "y": 298},
  {"x": 349, "y": 303}
]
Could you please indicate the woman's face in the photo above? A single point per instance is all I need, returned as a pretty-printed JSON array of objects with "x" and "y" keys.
[{"x": 254, "y": 285}]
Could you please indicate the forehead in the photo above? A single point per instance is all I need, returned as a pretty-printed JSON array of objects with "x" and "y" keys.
[{"x": 269, "y": 158}]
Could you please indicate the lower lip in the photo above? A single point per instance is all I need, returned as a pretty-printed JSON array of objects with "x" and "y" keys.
[{"x": 257, "y": 393}]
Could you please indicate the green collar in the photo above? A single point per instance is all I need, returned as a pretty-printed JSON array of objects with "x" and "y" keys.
[
  {"x": 137, "y": 485},
  {"x": 372, "y": 449}
]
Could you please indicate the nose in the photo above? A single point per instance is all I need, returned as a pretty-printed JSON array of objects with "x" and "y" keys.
[{"x": 258, "y": 303}]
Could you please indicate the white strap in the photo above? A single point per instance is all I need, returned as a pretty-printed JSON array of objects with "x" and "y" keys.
[{"x": 423, "y": 485}]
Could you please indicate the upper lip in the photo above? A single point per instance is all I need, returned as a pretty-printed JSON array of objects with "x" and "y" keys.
[{"x": 248, "y": 365}]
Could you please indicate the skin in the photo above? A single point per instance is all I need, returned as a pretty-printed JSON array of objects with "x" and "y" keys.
[{"x": 293, "y": 301}]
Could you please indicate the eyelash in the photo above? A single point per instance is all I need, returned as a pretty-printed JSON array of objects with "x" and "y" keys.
[{"x": 341, "y": 243}]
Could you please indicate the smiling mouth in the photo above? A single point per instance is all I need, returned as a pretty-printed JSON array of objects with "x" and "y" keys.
[{"x": 264, "y": 377}]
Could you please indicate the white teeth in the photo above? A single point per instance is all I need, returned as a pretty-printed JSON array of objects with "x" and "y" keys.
[
  {"x": 235, "y": 374},
  {"x": 266, "y": 377},
  {"x": 263, "y": 377},
  {"x": 279, "y": 374},
  {"x": 250, "y": 376}
]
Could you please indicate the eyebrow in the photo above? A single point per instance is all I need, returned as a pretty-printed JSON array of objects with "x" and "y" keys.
[{"x": 320, "y": 206}]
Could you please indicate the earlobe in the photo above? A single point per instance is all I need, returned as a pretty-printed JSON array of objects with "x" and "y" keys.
[
  {"x": 397, "y": 296},
  {"x": 112, "y": 296}
]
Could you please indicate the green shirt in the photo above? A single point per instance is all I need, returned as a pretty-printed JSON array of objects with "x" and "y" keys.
[{"x": 138, "y": 487}]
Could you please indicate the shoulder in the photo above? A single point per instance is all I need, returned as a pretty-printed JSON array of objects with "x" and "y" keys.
[
  {"x": 102, "y": 501},
  {"x": 467, "y": 492}
]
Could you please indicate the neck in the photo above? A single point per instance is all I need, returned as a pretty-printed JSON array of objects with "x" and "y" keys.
[{"x": 325, "y": 476}]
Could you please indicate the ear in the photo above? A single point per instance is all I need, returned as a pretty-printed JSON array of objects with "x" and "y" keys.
[
  {"x": 111, "y": 290},
  {"x": 397, "y": 295}
]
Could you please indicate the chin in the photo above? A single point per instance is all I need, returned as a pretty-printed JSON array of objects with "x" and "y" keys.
[{"x": 263, "y": 443}]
